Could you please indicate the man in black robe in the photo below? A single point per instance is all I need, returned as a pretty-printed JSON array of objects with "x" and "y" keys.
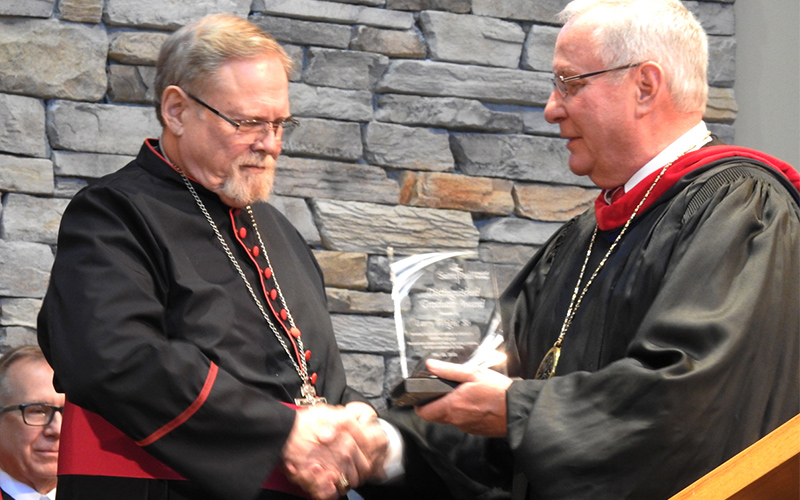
[
  {"x": 186, "y": 320},
  {"x": 655, "y": 335}
]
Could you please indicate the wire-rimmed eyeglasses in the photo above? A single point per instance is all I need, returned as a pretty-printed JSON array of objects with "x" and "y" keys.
[
  {"x": 252, "y": 126},
  {"x": 35, "y": 414},
  {"x": 560, "y": 83}
]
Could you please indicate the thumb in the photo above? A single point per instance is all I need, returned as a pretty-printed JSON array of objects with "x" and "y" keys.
[{"x": 450, "y": 371}]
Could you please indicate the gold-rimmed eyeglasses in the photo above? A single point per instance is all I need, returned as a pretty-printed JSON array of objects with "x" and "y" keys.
[
  {"x": 252, "y": 126},
  {"x": 560, "y": 83}
]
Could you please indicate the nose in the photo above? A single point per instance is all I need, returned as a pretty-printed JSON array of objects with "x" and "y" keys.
[
  {"x": 269, "y": 142},
  {"x": 53, "y": 429},
  {"x": 554, "y": 111}
]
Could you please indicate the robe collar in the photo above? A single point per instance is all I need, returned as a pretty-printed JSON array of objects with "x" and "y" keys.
[{"x": 615, "y": 215}]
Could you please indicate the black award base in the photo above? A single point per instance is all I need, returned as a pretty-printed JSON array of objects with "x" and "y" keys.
[{"x": 417, "y": 391}]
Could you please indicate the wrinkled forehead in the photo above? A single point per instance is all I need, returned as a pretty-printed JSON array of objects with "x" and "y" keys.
[{"x": 576, "y": 48}]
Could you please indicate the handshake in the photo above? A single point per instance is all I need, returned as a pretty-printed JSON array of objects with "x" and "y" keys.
[{"x": 334, "y": 448}]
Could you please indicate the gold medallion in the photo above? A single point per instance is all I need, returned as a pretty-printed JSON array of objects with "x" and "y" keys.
[{"x": 547, "y": 368}]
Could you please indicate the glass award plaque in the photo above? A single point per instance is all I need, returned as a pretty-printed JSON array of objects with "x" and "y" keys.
[{"x": 444, "y": 308}]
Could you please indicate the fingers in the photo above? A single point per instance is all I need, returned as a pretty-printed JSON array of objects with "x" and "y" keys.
[
  {"x": 362, "y": 412},
  {"x": 476, "y": 406}
]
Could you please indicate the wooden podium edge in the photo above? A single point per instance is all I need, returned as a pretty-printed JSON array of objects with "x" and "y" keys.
[{"x": 769, "y": 469}]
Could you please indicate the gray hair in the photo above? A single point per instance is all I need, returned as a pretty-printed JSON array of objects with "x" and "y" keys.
[
  {"x": 9, "y": 358},
  {"x": 193, "y": 54},
  {"x": 663, "y": 31}
]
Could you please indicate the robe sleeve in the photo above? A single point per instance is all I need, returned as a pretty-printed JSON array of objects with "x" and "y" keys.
[
  {"x": 711, "y": 368},
  {"x": 105, "y": 329}
]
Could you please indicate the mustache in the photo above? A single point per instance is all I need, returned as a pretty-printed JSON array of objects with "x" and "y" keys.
[{"x": 253, "y": 159}]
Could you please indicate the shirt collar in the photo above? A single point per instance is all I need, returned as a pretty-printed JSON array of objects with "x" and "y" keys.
[
  {"x": 20, "y": 491},
  {"x": 695, "y": 138}
]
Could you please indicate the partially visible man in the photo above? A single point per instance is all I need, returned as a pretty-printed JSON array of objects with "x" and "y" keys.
[
  {"x": 186, "y": 319},
  {"x": 657, "y": 334},
  {"x": 30, "y": 425}
]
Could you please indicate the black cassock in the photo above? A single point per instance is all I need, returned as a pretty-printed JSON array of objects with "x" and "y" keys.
[
  {"x": 683, "y": 352},
  {"x": 143, "y": 303}
]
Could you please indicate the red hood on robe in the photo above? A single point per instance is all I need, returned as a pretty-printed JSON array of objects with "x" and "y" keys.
[{"x": 617, "y": 214}]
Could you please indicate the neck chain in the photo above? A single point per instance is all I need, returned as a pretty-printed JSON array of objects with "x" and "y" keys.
[
  {"x": 299, "y": 361},
  {"x": 547, "y": 368}
]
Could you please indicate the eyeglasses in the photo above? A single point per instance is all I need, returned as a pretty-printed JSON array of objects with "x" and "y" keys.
[
  {"x": 35, "y": 414},
  {"x": 560, "y": 83},
  {"x": 252, "y": 127}
]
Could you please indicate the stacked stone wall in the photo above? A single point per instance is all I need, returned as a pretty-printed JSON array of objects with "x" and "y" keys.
[{"x": 422, "y": 129}]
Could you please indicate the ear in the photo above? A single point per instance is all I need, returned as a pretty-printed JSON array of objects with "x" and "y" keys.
[
  {"x": 651, "y": 86},
  {"x": 173, "y": 109}
]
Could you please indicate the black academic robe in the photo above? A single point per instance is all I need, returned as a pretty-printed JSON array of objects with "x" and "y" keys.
[
  {"x": 146, "y": 322},
  {"x": 683, "y": 352},
  {"x": 4, "y": 495}
]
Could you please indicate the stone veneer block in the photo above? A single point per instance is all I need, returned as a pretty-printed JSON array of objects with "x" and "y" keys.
[
  {"x": 22, "y": 130},
  {"x": 378, "y": 273},
  {"x": 544, "y": 11},
  {"x": 535, "y": 123},
  {"x": 34, "y": 219},
  {"x": 343, "y": 269},
  {"x": 457, "y": 192},
  {"x": 131, "y": 84},
  {"x": 298, "y": 213},
  {"x": 456, "y": 6},
  {"x": 451, "y": 113},
  {"x": 552, "y": 203},
  {"x": 19, "y": 312},
  {"x": 27, "y": 8},
  {"x": 371, "y": 3},
  {"x": 357, "y": 302},
  {"x": 327, "y": 102},
  {"x": 406, "y": 44},
  {"x": 721, "y": 61},
  {"x": 296, "y": 54},
  {"x": 88, "y": 165},
  {"x": 351, "y": 226},
  {"x": 334, "y": 12},
  {"x": 724, "y": 131},
  {"x": 81, "y": 11},
  {"x": 29, "y": 65},
  {"x": 26, "y": 175},
  {"x": 309, "y": 178},
  {"x": 716, "y": 18},
  {"x": 318, "y": 34},
  {"x": 26, "y": 268},
  {"x": 506, "y": 253},
  {"x": 15, "y": 336},
  {"x": 415, "y": 148},
  {"x": 370, "y": 368},
  {"x": 721, "y": 106},
  {"x": 344, "y": 69},
  {"x": 136, "y": 47},
  {"x": 515, "y": 157},
  {"x": 472, "y": 39},
  {"x": 497, "y": 85},
  {"x": 100, "y": 128},
  {"x": 330, "y": 139},
  {"x": 168, "y": 15},
  {"x": 518, "y": 231},
  {"x": 366, "y": 334},
  {"x": 539, "y": 48}
]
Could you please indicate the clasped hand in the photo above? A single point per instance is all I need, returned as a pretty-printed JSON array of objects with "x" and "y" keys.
[{"x": 334, "y": 448}]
